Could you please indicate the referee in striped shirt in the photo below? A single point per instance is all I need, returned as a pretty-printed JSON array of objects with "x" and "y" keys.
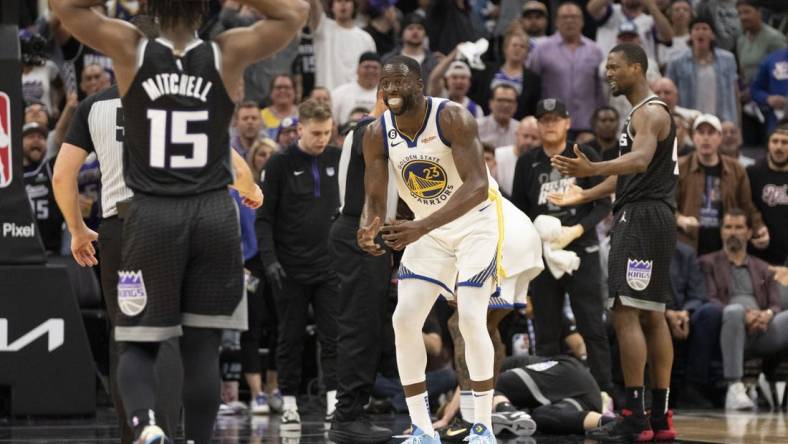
[{"x": 98, "y": 127}]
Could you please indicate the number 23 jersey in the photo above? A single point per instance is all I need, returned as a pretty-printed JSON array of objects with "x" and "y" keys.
[
  {"x": 424, "y": 166},
  {"x": 177, "y": 116}
]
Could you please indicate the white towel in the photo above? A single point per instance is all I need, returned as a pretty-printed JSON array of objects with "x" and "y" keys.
[{"x": 558, "y": 261}]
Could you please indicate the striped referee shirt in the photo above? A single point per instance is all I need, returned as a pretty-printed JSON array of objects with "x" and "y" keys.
[{"x": 98, "y": 127}]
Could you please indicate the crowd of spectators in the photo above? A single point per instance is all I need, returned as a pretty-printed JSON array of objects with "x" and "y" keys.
[{"x": 722, "y": 71}]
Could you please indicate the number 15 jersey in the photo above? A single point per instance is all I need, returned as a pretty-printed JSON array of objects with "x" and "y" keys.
[{"x": 177, "y": 116}]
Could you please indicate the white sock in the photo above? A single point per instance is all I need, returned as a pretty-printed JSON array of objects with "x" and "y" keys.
[
  {"x": 482, "y": 406},
  {"x": 419, "y": 408},
  {"x": 331, "y": 401},
  {"x": 289, "y": 403},
  {"x": 466, "y": 405}
]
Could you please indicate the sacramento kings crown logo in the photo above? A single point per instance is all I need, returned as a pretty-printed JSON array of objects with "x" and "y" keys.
[
  {"x": 132, "y": 296},
  {"x": 639, "y": 273}
]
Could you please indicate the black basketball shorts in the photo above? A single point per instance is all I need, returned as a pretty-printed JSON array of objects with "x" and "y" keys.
[
  {"x": 641, "y": 248},
  {"x": 181, "y": 265}
]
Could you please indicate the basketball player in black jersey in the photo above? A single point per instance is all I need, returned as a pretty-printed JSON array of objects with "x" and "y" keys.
[
  {"x": 644, "y": 178},
  {"x": 181, "y": 270}
]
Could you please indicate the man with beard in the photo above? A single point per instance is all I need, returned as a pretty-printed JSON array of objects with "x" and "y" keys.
[
  {"x": 769, "y": 184},
  {"x": 644, "y": 178},
  {"x": 433, "y": 146},
  {"x": 752, "y": 323},
  {"x": 38, "y": 183}
]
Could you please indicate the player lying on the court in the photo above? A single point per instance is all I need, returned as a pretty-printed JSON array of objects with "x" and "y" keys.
[
  {"x": 181, "y": 273},
  {"x": 560, "y": 394},
  {"x": 434, "y": 149}
]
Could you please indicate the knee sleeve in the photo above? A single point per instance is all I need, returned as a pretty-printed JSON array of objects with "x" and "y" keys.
[
  {"x": 472, "y": 305},
  {"x": 561, "y": 418},
  {"x": 415, "y": 299}
]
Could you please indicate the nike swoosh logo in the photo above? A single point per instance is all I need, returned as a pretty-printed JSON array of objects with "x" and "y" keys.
[
  {"x": 298, "y": 173},
  {"x": 396, "y": 144},
  {"x": 456, "y": 432},
  {"x": 482, "y": 209}
]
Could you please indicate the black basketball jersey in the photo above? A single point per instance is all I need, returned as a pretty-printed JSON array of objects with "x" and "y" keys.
[
  {"x": 38, "y": 184},
  {"x": 177, "y": 116},
  {"x": 658, "y": 182}
]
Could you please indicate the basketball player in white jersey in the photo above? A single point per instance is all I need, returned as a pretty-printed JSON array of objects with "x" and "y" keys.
[{"x": 434, "y": 150}]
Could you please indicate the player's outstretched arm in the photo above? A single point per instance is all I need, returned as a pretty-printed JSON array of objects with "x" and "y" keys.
[
  {"x": 243, "y": 46},
  {"x": 64, "y": 183},
  {"x": 117, "y": 39},
  {"x": 376, "y": 179},
  {"x": 575, "y": 195},
  {"x": 244, "y": 182},
  {"x": 650, "y": 123}
]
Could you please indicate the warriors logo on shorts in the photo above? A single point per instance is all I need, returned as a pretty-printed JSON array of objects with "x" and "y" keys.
[
  {"x": 132, "y": 297},
  {"x": 424, "y": 179},
  {"x": 638, "y": 273}
]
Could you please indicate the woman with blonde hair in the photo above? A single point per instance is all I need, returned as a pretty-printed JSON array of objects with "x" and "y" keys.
[{"x": 258, "y": 156}]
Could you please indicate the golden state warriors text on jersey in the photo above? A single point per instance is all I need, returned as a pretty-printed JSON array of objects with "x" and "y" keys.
[{"x": 425, "y": 178}]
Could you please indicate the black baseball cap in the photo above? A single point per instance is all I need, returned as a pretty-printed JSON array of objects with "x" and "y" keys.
[
  {"x": 414, "y": 18},
  {"x": 551, "y": 106}
]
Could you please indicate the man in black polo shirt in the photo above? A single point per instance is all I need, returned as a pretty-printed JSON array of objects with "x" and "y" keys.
[
  {"x": 301, "y": 198},
  {"x": 364, "y": 286},
  {"x": 534, "y": 178}
]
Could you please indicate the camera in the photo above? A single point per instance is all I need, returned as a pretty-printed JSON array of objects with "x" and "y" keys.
[{"x": 33, "y": 47}]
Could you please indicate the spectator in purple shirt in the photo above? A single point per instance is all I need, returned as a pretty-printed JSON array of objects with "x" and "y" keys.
[{"x": 568, "y": 65}]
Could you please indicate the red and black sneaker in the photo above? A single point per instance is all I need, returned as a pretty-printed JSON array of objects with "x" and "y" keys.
[
  {"x": 663, "y": 427},
  {"x": 627, "y": 428}
]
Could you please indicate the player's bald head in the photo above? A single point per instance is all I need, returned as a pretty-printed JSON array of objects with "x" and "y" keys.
[{"x": 402, "y": 65}]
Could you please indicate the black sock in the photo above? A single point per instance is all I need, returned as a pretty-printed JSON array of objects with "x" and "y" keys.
[
  {"x": 634, "y": 400},
  {"x": 505, "y": 407},
  {"x": 659, "y": 402}
]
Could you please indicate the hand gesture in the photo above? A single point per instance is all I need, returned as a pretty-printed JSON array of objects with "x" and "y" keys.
[
  {"x": 780, "y": 275},
  {"x": 401, "y": 233},
  {"x": 686, "y": 222},
  {"x": 82, "y": 246},
  {"x": 275, "y": 274},
  {"x": 761, "y": 239},
  {"x": 579, "y": 166},
  {"x": 568, "y": 234},
  {"x": 365, "y": 237},
  {"x": 253, "y": 199},
  {"x": 572, "y": 195}
]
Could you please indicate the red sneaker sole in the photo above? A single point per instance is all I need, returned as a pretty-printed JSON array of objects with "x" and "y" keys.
[
  {"x": 665, "y": 435},
  {"x": 645, "y": 436}
]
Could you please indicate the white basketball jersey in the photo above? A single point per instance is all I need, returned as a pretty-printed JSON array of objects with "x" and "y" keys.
[{"x": 425, "y": 172}]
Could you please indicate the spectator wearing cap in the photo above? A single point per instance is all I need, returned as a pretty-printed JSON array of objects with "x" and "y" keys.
[
  {"x": 449, "y": 24},
  {"x": 499, "y": 127},
  {"x": 680, "y": 14},
  {"x": 512, "y": 72},
  {"x": 283, "y": 103},
  {"x": 568, "y": 64},
  {"x": 287, "y": 133},
  {"x": 38, "y": 184},
  {"x": 361, "y": 92},
  {"x": 247, "y": 125},
  {"x": 706, "y": 76},
  {"x": 383, "y": 25},
  {"x": 338, "y": 42},
  {"x": 534, "y": 22},
  {"x": 709, "y": 185},
  {"x": 770, "y": 87},
  {"x": 534, "y": 177},
  {"x": 451, "y": 79},
  {"x": 653, "y": 27},
  {"x": 414, "y": 31},
  {"x": 37, "y": 112}
]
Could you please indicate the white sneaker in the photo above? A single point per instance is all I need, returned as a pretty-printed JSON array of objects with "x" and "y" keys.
[
  {"x": 259, "y": 405},
  {"x": 737, "y": 399},
  {"x": 152, "y": 435},
  {"x": 291, "y": 420}
]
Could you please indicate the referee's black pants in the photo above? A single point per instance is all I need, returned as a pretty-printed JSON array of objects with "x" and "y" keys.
[
  {"x": 292, "y": 306},
  {"x": 168, "y": 361},
  {"x": 363, "y": 293},
  {"x": 583, "y": 287}
]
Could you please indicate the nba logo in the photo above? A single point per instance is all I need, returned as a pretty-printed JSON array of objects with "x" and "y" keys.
[{"x": 5, "y": 141}]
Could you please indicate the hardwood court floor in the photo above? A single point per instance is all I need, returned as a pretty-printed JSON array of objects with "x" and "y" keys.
[{"x": 693, "y": 426}]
